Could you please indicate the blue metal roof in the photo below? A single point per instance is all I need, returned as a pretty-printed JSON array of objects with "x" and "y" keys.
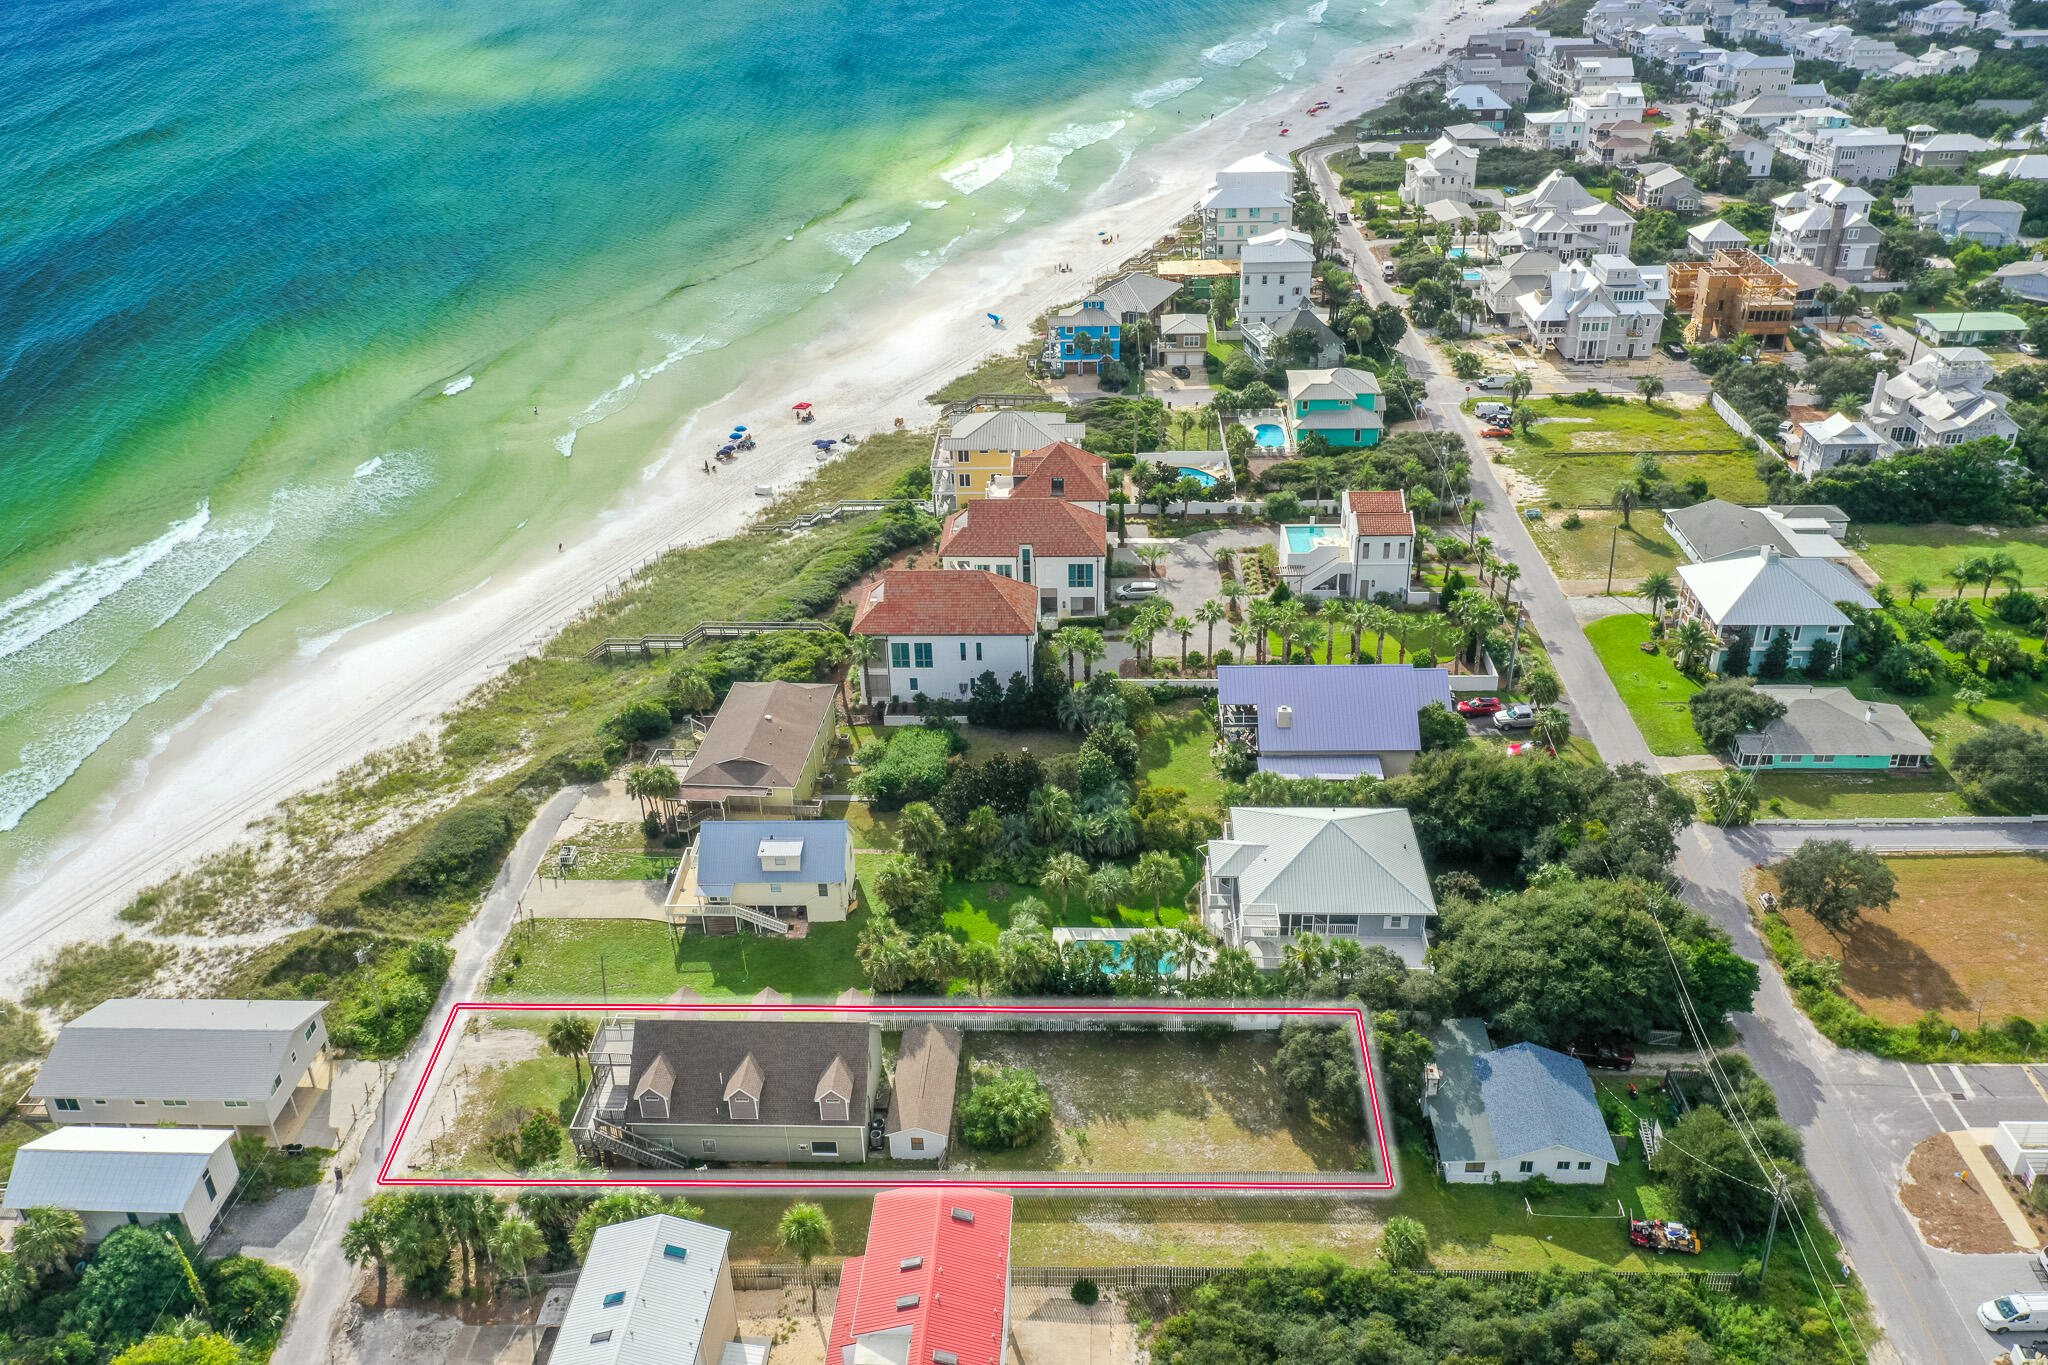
[
  {"x": 1338, "y": 708},
  {"x": 729, "y": 851},
  {"x": 1536, "y": 1098},
  {"x": 1331, "y": 767}
]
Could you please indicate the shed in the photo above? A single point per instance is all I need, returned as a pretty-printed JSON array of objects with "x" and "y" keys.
[{"x": 921, "y": 1100}]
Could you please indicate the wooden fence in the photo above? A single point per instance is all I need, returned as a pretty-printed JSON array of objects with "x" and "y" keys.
[{"x": 1166, "y": 1276}]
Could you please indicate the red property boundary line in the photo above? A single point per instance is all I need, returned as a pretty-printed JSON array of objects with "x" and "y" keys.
[{"x": 1380, "y": 1184}]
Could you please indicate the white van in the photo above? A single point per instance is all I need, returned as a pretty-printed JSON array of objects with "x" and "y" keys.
[
  {"x": 1493, "y": 411},
  {"x": 2015, "y": 1313}
]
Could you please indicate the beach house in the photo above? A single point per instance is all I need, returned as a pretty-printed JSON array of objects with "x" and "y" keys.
[
  {"x": 1444, "y": 170},
  {"x": 653, "y": 1289},
  {"x": 1969, "y": 329},
  {"x": 1563, "y": 218},
  {"x": 1059, "y": 548},
  {"x": 1275, "y": 271},
  {"x": 981, "y": 447},
  {"x": 1826, "y": 224},
  {"x": 1365, "y": 553},
  {"x": 1944, "y": 398},
  {"x": 1331, "y": 721},
  {"x": 1768, "y": 594},
  {"x": 1250, "y": 197},
  {"x": 1342, "y": 405},
  {"x": 932, "y": 1283},
  {"x": 254, "y": 1066},
  {"x": 1830, "y": 729},
  {"x": 1512, "y": 1113},
  {"x": 118, "y": 1177},
  {"x": 1063, "y": 471},
  {"x": 941, "y": 628},
  {"x": 773, "y": 877},
  {"x": 1716, "y": 529},
  {"x": 1962, "y": 211},
  {"x": 1081, "y": 339},
  {"x": 1605, "y": 307},
  {"x": 1350, "y": 873},
  {"x": 764, "y": 748}
]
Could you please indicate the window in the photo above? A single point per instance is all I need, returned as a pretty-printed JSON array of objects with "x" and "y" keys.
[
  {"x": 744, "y": 1107},
  {"x": 899, "y": 654},
  {"x": 174, "y": 1104},
  {"x": 597, "y": 1337},
  {"x": 1059, "y": 487},
  {"x": 1527, "y": 1166},
  {"x": 143, "y": 1102},
  {"x": 917, "y": 1144},
  {"x": 1585, "y": 1165},
  {"x": 675, "y": 1253},
  {"x": 823, "y": 889},
  {"x": 921, "y": 655},
  {"x": 914, "y": 688},
  {"x": 1397, "y": 921},
  {"x": 1386, "y": 549},
  {"x": 963, "y": 651},
  {"x": 824, "y": 1149},
  {"x": 1080, "y": 575},
  {"x": 1475, "y": 1168},
  {"x": 1564, "y": 1165},
  {"x": 775, "y": 888},
  {"x": 309, "y": 1030},
  {"x": 710, "y": 1145},
  {"x": 67, "y": 1106},
  {"x": 206, "y": 1179},
  {"x": 963, "y": 480},
  {"x": 615, "y": 1298},
  {"x": 235, "y": 1104}
]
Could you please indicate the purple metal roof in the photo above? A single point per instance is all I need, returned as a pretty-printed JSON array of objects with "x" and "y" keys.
[{"x": 1338, "y": 708}]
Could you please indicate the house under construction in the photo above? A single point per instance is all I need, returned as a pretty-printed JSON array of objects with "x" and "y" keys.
[{"x": 1735, "y": 293}]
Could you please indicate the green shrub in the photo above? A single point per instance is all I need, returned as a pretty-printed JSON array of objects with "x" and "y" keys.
[
  {"x": 1405, "y": 1244},
  {"x": 466, "y": 845},
  {"x": 912, "y": 768},
  {"x": 251, "y": 1298},
  {"x": 1009, "y": 1110},
  {"x": 640, "y": 719},
  {"x": 1086, "y": 1292}
]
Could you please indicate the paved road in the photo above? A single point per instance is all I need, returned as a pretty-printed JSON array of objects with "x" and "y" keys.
[
  {"x": 324, "y": 1275},
  {"x": 1860, "y": 1117},
  {"x": 1775, "y": 839}
]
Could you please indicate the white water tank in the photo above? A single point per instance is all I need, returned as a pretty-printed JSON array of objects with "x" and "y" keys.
[{"x": 1283, "y": 716}]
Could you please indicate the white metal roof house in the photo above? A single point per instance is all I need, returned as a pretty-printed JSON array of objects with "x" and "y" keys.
[
  {"x": 1768, "y": 594},
  {"x": 1942, "y": 398},
  {"x": 1715, "y": 529},
  {"x": 1252, "y": 195},
  {"x": 1329, "y": 720},
  {"x": 1834, "y": 439},
  {"x": 193, "y": 1063},
  {"x": 1512, "y": 1113},
  {"x": 1606, "y": 307},
  {"x": 653, "y": 1291},
  {"x": 112, "y": 1177},
  {"x": 1347, "y": 873}
]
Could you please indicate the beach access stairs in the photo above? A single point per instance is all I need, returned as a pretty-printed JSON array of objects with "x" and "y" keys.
[{"x": 646, "y": 645}]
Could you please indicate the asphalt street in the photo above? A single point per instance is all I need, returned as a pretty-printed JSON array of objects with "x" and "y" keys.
[{"x": 1860, "y": 1116}]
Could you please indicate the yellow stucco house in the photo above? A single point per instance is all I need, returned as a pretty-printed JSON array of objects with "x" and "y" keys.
[{"x": 983, "y": 446}]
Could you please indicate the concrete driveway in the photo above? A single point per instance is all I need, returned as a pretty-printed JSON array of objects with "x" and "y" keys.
[{"x": 1191, "y": 575}]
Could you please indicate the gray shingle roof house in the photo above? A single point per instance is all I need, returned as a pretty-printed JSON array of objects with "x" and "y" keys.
[
  {"x": 1831, "y": 729},
  {"x": 736, "y": 1089},
  {"x": 765, "y": 745},
  {"x": 1281, "y": 872},
  {"x": 1131, "y": 296},
  {"x": 653, "y": 1291},
  {"x": 921, "y": 1098},
  {"x": 1715, "y": 529},
  {"x": 110, "y": 1177},
  {"x": 190, "y": 1063},
  {"x": 1332, "y": 721},
  {"x": 1512, "y": 1113}
]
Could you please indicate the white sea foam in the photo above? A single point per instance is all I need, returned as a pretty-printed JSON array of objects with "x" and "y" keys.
[
  {"x": 982, "y": 171},
  {"x": 1075, "y": 136},
  {"x": 314, "y": 646},
  {"x": 619, "y": 395},
  {"x": 458, "y": 386},
  {"x": 855, "y": 246},
  {"x": 1318, "y": 10},
  {"x": 70, "y": 593},
  {"x": 369, "y": 467},
  {"x": 932, "y": 203},
  {"x": 1159, "y": 94},
  {"x": 1235, "y": 53},
  {"x": 924, "y": 263}
]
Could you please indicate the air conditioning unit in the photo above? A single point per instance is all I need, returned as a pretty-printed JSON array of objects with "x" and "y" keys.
[{"x": 1283, "y": 716}]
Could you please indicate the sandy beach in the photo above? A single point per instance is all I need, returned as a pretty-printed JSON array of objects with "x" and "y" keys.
[{"x": 247, "y": 749}]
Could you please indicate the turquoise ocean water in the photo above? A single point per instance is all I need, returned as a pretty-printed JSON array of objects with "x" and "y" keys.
[{"x": 282, "y": 283}]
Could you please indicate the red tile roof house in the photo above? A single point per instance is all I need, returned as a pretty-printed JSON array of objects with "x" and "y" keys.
[
  {"x": 933, "y": 1285},
  {"x": 1061, "y": 470},
  {"x": 1058, "y": 548},
  {"x": 1369, "y": 551},
  {"x": 942, "y": 628}
]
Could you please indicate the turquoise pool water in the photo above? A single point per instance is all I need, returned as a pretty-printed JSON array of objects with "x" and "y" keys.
[
  {"x": 1302, "y": 539},
  {"x": 1200, "y": 476},
  {"x": 1117, "y": 964},
  {"x": 1269, "y": 435}
]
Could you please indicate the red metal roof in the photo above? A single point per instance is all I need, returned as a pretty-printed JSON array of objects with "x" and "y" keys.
[
  {"x": 1381, "y": 512},
  {"x": 1083, "y": 471},
  {"x": 961, "y": 1281},
  {"x": 999, "y": 526},
  {"x": 947, "y": 602}
]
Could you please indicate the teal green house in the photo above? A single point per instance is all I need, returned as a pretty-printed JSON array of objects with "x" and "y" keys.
[
  {"x": 1342, "y": 405},
  {"x": 1830, "y": 729}
]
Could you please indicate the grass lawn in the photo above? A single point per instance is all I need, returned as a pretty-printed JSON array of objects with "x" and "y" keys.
[
  {"x": 1176, "y": 753},
  {"x": 1587, "y": 481},
  {"x": 1623, "y": 428},
  {"x": 1902, "y": 553},
  {"x": 1161, "y": 1102},
  {"x": 640, "y": 960},
  {"x": 1582, "y": 554},
  {"x": 1859, "y": 796},
  {"x": 502, "y": 1097},
  {"x": 978, "y": 912},
  {"x": 1965, "y": 934},
  {"x": 1650, "y": 684}
]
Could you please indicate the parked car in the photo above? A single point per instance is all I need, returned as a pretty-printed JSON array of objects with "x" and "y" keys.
[
  {"x": 1493, "y": 381},
  {"x": 1674, "y": 350},
  {"x": 1182, "y": 372},
  {"x": 1343, "y": 217},
  {"x": 1497, "y": 413},
  {"x": 1516, "y": 717},
  {"x": 1784, "y": 428},
  {"x": 2029, "y": 348},
  {"x": 1497, "y": 433},
  {"x": 1138, "y": 589},
  {"x": 2015, "y": 1313},
  {"x": 1387, "y": 272},
  {"x": 1479, "y": 706},
  {"x": 1613, "y": 1055}
]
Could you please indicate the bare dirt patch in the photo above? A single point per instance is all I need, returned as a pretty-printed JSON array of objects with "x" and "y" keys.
[
  {"x": 1966, "y": 934},
  {"x": 784, "y": 1317},
  {"x": 1944, "y": 1200}
]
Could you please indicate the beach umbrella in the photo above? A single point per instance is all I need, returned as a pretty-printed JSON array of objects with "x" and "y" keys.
[
  {"x": 801, "y": 407},
  {"x": 725, "y": 450},
  {"x": 824, "y": 445},
  {"x": 738, "y": 427}
]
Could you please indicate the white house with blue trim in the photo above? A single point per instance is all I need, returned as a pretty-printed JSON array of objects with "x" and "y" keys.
[{"x": 1512, "y": 1113}]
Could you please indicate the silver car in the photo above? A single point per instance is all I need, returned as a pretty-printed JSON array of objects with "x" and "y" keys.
[
  {"x": 1138, "y": 589},
  {"x": 1517, "y": 717}
]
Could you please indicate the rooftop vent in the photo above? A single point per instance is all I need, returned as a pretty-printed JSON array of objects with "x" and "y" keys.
[
  {"x": 1283, "y": 716},
  {"x": 911, "y": 1263},
  {"x": 945, "y": 1358},
  {"x": 963, "y": 1215},
  {"x": 907, "y": 1301}
]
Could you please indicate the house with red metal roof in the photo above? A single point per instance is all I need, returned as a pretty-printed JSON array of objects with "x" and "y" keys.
[
  {"x": 942, "y": 628},
  {"x": 1368, "y": 552},
  {"x": 933, "y": 1287},
  {"x": 1057, "y": 547}
]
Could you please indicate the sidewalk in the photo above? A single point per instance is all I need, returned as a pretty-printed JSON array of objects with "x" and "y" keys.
[{"x": 1970, "y": 1144}]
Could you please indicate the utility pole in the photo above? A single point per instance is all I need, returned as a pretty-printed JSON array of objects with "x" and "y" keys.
[
  {"x": 1612, "y": 542},
  {"x": 1770, "y": 1236}
]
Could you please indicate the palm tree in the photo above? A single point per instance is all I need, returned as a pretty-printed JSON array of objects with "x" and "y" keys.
[
  {"x": 1313, "y": 632},
  {"x": 1695, "y": 644},
  {"x": 1234, "y": 591},
  {"x": 1845, "y": 306},
  {"x": 1065, "y": 876},
  {"x": 861, "y": 652},
  {"x": 1157, "y": 873},
  {"x": 920, "y": 831},
  {"x": 1109, "y": 888},
  {"x": 1657, "y": 589},
  {"x": 570, "y": 1035},
  {"x": 1340, "y": 615},
  {"x": 1962, "y": 575},
  {"x": 1915, "y": 588},
  {"x": 1826, "y": 295},
  {"x": 48, "y": 1240},
  {"x": 1509, "y": 572},
  {"x": 1062, "y": 642},
  {"x": 1287, "y": 619},
  {"x": 1241, "y": 640},
  {"x": 1482, "y": 546},
  {"x": 1543, "y": 686},
  {"x": 1183, "y": 627},
  {"x": 805, "y": 1233},
  {"x": 1262, "y": 616},
  {"x": 1625, "y": 499},
  {"x": 655, "y": 782},
  {"x": 1049, "y": 814},
  {"x": 1553, "y": 728},
  {"x": 1210, "y": 614},
  {"x": 516, "y": 1243},
  {"x": 1651, "y": 388},
  {"x": 1732, "y": 799},
  {"x": 17, "y": 1286},
  {"x": 1152, "y": 556},
  {"x": 1999, "y": 568},
  {"x": 368, "y": 1238},
  {"x": 1322, "y": 472},
  {"x": 1088, "y": 643},
  {"x": 1518, "y": 388}
]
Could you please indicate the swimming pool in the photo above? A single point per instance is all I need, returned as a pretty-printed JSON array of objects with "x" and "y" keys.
[
  {"x": 1302, "y": 539},
  {"x": 1474, "y": 276},
  {"x": 1200, "y": 476},
  {"x": 1117, "y": 963},
  {"x": 1270, "y": 435}
]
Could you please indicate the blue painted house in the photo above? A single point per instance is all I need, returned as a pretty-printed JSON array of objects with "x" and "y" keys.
[{"x": 1077, "y": 342}]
